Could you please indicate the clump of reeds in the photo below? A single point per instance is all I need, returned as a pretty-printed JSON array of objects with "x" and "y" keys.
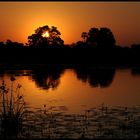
[{"x": 11, "y": 109}]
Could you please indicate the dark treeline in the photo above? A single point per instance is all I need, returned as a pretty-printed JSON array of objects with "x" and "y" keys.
[{"x": 98, "y": 47}]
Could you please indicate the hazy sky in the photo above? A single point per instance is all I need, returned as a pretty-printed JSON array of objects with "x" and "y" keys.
[{"x": 18, "y": 20}]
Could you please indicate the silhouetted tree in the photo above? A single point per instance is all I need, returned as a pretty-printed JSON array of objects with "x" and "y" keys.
[
  {"x": 8, "y": 43},
  {"x": 84, "y": 35},
  {"x": 38, "y": 39},
  {"x": 79, "y": 44},
  {"x": 93, "y": 35},
  {"x": 101, "y": 37},
  {"x": 135, "y": 53},
  {"x": 2, "y": 45},
  {"x": 13, "y": 45},
  {"x": 106, "y": 38},
  {"x": 135, "y": 47}
]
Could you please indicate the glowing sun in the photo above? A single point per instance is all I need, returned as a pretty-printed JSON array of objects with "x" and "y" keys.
[{"x": 45, "y": 34}]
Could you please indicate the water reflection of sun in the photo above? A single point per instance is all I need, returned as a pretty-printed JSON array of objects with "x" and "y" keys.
[{"x": 45, "y": 34}]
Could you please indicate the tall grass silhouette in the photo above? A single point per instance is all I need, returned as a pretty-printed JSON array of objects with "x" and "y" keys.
[{"x": 11, "y": 109}]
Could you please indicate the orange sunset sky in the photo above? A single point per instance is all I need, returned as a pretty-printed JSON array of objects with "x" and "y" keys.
[{"x": 18, "y": 20}]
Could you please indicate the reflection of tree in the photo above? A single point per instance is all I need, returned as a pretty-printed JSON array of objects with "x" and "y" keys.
[
  {"x": 47, "y": 78},
  {"x": 102, "y": 77}
]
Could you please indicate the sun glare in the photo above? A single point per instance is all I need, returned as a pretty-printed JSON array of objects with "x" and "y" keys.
[{"x": 46, "y": 34}]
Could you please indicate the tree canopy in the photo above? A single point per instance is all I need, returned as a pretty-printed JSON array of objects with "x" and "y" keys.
[
  {"x": 45, "y": 36},
  {"x": 100, "y": 38}
]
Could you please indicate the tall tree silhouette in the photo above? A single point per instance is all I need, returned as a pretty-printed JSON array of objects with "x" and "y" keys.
[
  {"x": 102, "y": 37},
  {"x": 106, "y": 38},
  {"x": 92, "y": 38},
  {"x": 45, "y": 36}
]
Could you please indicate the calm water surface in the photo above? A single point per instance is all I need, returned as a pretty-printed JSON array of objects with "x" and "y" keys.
[{"x": 77, "y": 89}]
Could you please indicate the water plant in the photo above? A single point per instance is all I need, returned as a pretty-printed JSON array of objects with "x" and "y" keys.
[{"x": 11, "y": 109}]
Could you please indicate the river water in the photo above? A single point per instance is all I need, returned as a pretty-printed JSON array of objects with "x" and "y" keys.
[{"x": 76, "y": 89}]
